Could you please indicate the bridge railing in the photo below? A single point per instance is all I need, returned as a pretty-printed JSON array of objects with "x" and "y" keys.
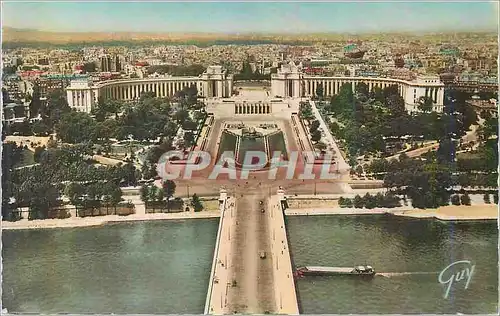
[{"x": 214, "y": 261}]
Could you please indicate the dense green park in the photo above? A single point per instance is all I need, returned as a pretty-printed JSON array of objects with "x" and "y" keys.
[
  {"x": 372, "y": 123},
  {"x": 65, "y": 166},
  {"x": 65, "y": 170}
]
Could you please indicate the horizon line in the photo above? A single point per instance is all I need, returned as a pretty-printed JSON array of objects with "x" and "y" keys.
[{"x": 442, "y": 31}]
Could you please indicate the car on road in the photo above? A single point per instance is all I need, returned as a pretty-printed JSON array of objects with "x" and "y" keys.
[{"x": 262, "y": 255}]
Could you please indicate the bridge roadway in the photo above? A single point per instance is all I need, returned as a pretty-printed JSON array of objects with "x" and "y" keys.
[{"x": 243, "y": 282}]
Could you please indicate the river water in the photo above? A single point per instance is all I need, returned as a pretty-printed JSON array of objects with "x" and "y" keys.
[
  {"x": 164, "y": 266},
  {"x": 409, "y": 252},
  {"x": 142, "y": 267}
]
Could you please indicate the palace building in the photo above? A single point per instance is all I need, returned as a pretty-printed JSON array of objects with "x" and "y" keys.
[
  {"x": 82, "y": 94},
  {"x": 289, "y": 83}
]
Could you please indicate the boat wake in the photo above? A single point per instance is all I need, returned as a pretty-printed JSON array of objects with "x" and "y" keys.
[{"x": 393, "y": 274}]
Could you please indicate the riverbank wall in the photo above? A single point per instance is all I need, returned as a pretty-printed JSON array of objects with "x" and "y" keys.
[
  {"x": 446, "y": 213},
  {"x": 102, "y": 220}
]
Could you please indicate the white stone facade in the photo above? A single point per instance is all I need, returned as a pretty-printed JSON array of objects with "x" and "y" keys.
[
  {"x": 81, "y": 95},
  {"x": 215, "y": 82},
  {"x": 290, "y": 82}
]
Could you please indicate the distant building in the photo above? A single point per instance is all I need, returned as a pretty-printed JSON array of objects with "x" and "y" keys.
[
  {"x": 14, "y": 113},
  {"x": 105, "y": 63},
  {"x": 49, "y": 83},
  {"x": 116, "y": 64},
  {"x": 11, "y": 84},
  {"x": 43, "y": 61},
  {"x": 81, "y": 95}
]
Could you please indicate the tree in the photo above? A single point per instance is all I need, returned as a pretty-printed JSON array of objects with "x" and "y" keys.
[
  {"x": 358, "y": 201},
  {"x": 37, "y": 156},
  {"x": 189, "y": 139},
  {"x": 74, "y": 192},
  {"x": 489, "y": 128},
  {"x": 316, "y": 136},
  {"x": 486, "y": 198},
  {"x": 425, "y": 104},
  {"x": 106, "y": 108},
  {"x": 39, "y": 128},
  {"x": 196, "y": 203},
  {"x": 43, "y": 197},
  {"x": 455, "y": 199},
  {"x": 189, "y": 125},
  {"x": 149, "y": 171},
  {"x": 154, "y": 154},
  {"x": 485, "y": 115},
  {"x": 199, "y": 116},
  {"x": 56, "y": 107},
  {"x": 380, "y": 200},
  {"x": 181, "y": 116},
  {"x": 396, "y": 104},
  {"x": 76, "y": 127},
  {"x": 144, "y": 191},
  {"x": 320, "y": 145},
  {"x": 170, "y": 129},
  {"x": 377, "y": 94},
  {"x": 169, "y": 189},
  {"x": 112, "y": 194},
  {"x": 128, "y": 174},
  {"x": 319, "y": 91},
  {"x": 369, "y": 201},
  {"x": 446, "y": 151},
  {"x": 335, "y": 129},
  {"x": 35, "y": 106},
  {"x": 362, "y": 91},
  {"x": 465, "y": 199},
  {"x": 160, "y": 196},
  {"x": 314, "y": 126},
  {"x": 305, "y": 111}
]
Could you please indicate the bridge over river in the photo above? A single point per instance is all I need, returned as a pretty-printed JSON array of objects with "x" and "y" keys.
[{"x": 242, "y": 281}]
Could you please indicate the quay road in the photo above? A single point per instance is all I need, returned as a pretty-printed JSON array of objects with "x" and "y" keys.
[
  {"x": 243, "y": 282},
  {"x": 241, "y": 187}
]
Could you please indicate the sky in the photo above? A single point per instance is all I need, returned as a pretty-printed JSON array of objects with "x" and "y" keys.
[{"x": 242, "y": 17}]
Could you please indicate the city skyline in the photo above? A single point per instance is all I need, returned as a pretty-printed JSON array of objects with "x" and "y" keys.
[{"x": 252, "y": 17}]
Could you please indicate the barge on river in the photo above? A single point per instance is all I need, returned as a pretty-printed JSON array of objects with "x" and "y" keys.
[{"x": 315, "y": 270}]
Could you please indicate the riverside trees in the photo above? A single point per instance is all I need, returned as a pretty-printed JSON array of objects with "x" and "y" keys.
[
  {"x": 429, "y": 181},
  {"x": 196, "y": 203},
  {"x": 154, "y": 197},
  {"x": 371, "y": 201},
  {"x": 41, "y": 187}
]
